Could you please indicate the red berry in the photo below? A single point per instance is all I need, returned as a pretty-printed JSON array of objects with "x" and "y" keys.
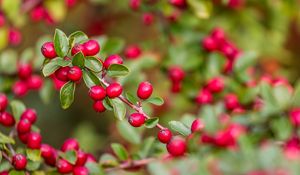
[
  {"x": 64, "y": 167},
  {"x": 178, "y": 3},
  {"x": 97, "y": 92},
  {"x": 77, "y": 48},
  {"x": 48, "y": 50},
  {"x": 164, "y": 135},
  {"x": 23, "y": 126},
  {"x": 176, "y": 147},
  {"x": 112, "y": 59},
  {"x": 70, "y": 3},
  {"x": 2, "y": 20},
  {"x": 70, "y": 144},
  {"x": 114, "y": 90},
  {"x": 3, "y": 102},
  {"x": 204, "y": 97},
  {"x": 229, "y": 51},
  {"x": 132, "y": 52},
  {"x": 231, "y": 101},
  {"x": 209, "y": 44},
  {"x": 236, "y": 4},
  {"x": 134, "y": 4},
  {"x": 30, "y": 115},
  {"x": 34, "y": 140},
  {"x": 24, "y": 71},
  {"x": 6, "y": 119},
  {"x": 215, "y": 85},
  {"x": 62, "y": 73},
  {"x": 34, "y": 82},
  {"x": 46, "y": 151},
  {"x": 20, "y": 88},
  {"x": 98, "y": 106},
  {"x": 4, "y": 172},
  {"x": 19, "y": 161},
  {"x": 295, "y": 116},
  {"x": 81, "y": 158},
  {"x": 90, "y": 158},
  {"x": 176, "y": 87},
  {"x": 148, "y": 18},
  {"x": 91, "y": 48},
  {"x": 14, "y": 36},
  {"x": 218, "y": 35},
  {"x": 145, "y": 90},
  {"x": 37, "y": 13},
  {"x": 176, "y": 73},
  {"x": 23, "y": 137},
  {"x": 80, "y": 171},
  {"x": 197, "y": 125},
  {"x": 75, "y": 73},
  {"x": 136, "y": 119}
]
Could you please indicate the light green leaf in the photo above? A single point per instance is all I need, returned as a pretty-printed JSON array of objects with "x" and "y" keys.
[
  {"x": 61, "y": 43},
  {"x": 116, "y": 70},
  {"x": 128, "y": 132},
  {"x": 17, "y": 108},
  {"x": 119, "y": 108},
  {"x": 77, "y": 37},
  {"x": 33, "y": 154},
  {"x": 67, "y": 94},
  {"x": 156, "y": 101},
  {"x": 93, "y": 63},
  {"x": 179, "y": 127},
  {"x": 151, "y": 123},
  {"x": 90, "y": 79},
  {"x": 120, "y": 151}
]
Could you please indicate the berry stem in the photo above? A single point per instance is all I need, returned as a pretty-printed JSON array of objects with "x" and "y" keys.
[
  {"x": 6, "y": 157},
  {"x": 132, "y": 164}
]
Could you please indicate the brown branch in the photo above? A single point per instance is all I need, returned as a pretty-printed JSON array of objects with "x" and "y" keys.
[{"x": 131, "y": 164}]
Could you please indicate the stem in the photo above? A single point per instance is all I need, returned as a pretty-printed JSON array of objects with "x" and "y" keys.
[
  {"x": 6, "y": 157},
  {"x": 131, "y": 164}
]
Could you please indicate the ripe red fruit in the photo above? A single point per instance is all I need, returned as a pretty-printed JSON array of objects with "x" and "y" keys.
[
  {"x": 229, "y": 51},
  {"x": 114, "y": 90},
  {"x": 148, "y": 18},
  {"x": 97, "y": 92},
  {"x": 98, "y": 106},
  {"x": 80, "y": 171},
  {"x": 75, "y": 73},
  {"x": 47, "y": 151},
  {"x": 70, "y": 3},
  {"x": 204, "y": 97},
  {"x": 3, "y": 102},
  {"x": 132, "y": 52},
  {"x": 14, "y": 36},
  {"x": 218, "y": 35},
  {"x": 23, "y": 126},
  {"x": 62, "y": 73},
  {"x": 37, "y": 13},
  {"x": 48, "y": 50},
  {"x": 2, "y": 20},
  {"x": 24, "y": 71},
  {"x": 6, "y": 119},
  {"x": 64, "y": 167},
  {"x": 112, "y": 59},
  {"x": 215, "y": 85},
  {"x": 91, "y": 48},
  {"x": 145, "y": 90},
  {"x": 176, "y": 87},
  {"x": 176, "y": 73},
  {"x": 23, "y": 137},
  {"x": 81, "y": 158},
  {"x": 4, "y": 172},
  {"x": 34, "y": 82},
  {"x": 197, "y": 125},
  {"x": 77, "y": 48},
  {"x": 70, "y": 144},
  {"x": 164, "y": 135},
  {"x": 20, "y": 88},
  {"x": 295, "y": 117},
  {"x": 231, "y": 101},
  {"x": 136, "y": 119},
  {"x": 209, "y": 44},
  {"x": 134, "y": 4},
  {"x": 34, "y": 140},
  {"x": 176, "y": 147},
  {"x": 19, "y": 161},
  {"x": 178, "y": 3},
  {"x": 29, "y": 114}
]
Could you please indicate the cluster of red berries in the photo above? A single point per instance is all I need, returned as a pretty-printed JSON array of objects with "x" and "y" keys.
[
  {"x": 205, "y": 95},
  {"x": 14, "y": 35},
  {"x": 176, "y": 75},
  {"x": 217, "y": 41},
  {"x": 27, "y": 80}
]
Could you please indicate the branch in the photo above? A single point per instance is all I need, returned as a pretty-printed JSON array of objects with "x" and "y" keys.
[{"x": 131, "y": 164}]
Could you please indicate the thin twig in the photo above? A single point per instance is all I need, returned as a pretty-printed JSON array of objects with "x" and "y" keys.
[{"x": 131, "y": 164}]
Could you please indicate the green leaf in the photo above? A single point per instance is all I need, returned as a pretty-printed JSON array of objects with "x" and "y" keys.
[
  {"x": 94, "y": 168},
  {"x": 116, "y": 70},
  {"x": 282, "y": 95},
  {"x": 113, "y": 45},
  {"x": 244, "y": 61},
  {"x": 90, "y": 79},
  {"x": 147, "y": 146},
  {"x": 93, "y": 63},
  {"x": 70, "y": 156},
  {"x": 77, "y": 37},
  {"x": 33, "y": 154},
  {"x": 5, "y": 139},
  {"x": 61, "y": 43},
  {"x": 53, "y": 65},
  {"x": 8, "y": 61},
  {"x": 131, "y": 98},
  {"x": 156, "y": 101},
  {"x": 179, "y": 127},
  {"x": 108, "y": 160},
  {"x": 151, "y": 123},
  {"x": 14, "y": 172},
  {"x": 128, "y": 132},
  {"x": 210, "y": 118},
  {"x": 120, "y": 151},
  {"x": 67, "y": 94},
  {"x": 47, "y": 91},
  {"x": 17, "y": 108},
  {"x": 107, "y": 104},
  {"x": 296, "y": 95},
  {"x": 33, "y": 165},
  {"x": 201, "y": 8},
  {"x": 78, "y": 60},
  {"x": 267, "y": 95},
  {"x": 278, "y": 125},
  {"x": 119, "y": 108}
]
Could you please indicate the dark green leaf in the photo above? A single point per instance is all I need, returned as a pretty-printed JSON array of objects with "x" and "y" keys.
[
  {"x": 77, "y": 37},
  {"x": 119, "y": 108},
  {"x": 53, "y": 65},
  {"x": 179, "y": 127},
  {"x": 151, "y": 123},
  {"x": 70, "y": 156},
  {"x": 78, "y": 60},
  {"x": 94, "y": 168},
  {"x": 61, "y": 43},
  {"x": 67, "y": 94},
  {"x": 120, "y": 151},
  {"x": 131, "y": 98},
  {"x": 93, "y": 63},
  {"x": 113, "y": 45},
  {"x": 116, "y": 70},
  {"x": 156, "y": 101},
  {"x": 107, "y": 104},
  {"x": 90, "y": 79},
  {"x": 17, "y": 108}
]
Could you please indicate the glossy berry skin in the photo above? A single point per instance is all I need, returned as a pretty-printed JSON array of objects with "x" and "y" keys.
[
  {"x": 6, "y": 119},
  {"x": 64, "y": 167},
  {"x": 77, "y": 48},
  {"x": 23, "y": 137},
  {"x": 81, "y": 158},
  {"x": 145, "y": 90},
  {"x": 23, "y": 126},
  {"x": 209, "y": 44},
  {"x": 98, "y": 106},
  {"x": 97, "y": 92},
  {"x": 3, "y": 102},
  {"x": 294, "y": 116},
  {"x": 164, "y": 135},
  {"x": 176, "y": 73},
  {"x": 176, "y": 147},
  {"x": 215, "y": 85},
  {"x": 80, "y": 171},
  {"x": 204, "y": 97},
  {"x": 62, "y": 73},
  {"x": 75, "y": 73},
  {"x": 19, "y": 161},
  {"x": 148, "y": 19},
  {"x": 114, "y": 90},
  {"x": 112, "y": 59},
  {"x": 34, "y": 140},
  {"x": 34, "y": 82},
  {"x": 136, "y": 119},
  {"x": 20, "y": 88},
  {"x": 231, "y": 101},
  {"x": 30, "y": 115},
  {"x": 197, "y": 125},
  {"x": 48, "y": 50},
  {"x": 24, "y": 71},
  {"x": 91, "y": 48},
  {"x": 70, "y": 144},
  {"x": 49, "y": 154},
  {"x": 132, "y": 52}
]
